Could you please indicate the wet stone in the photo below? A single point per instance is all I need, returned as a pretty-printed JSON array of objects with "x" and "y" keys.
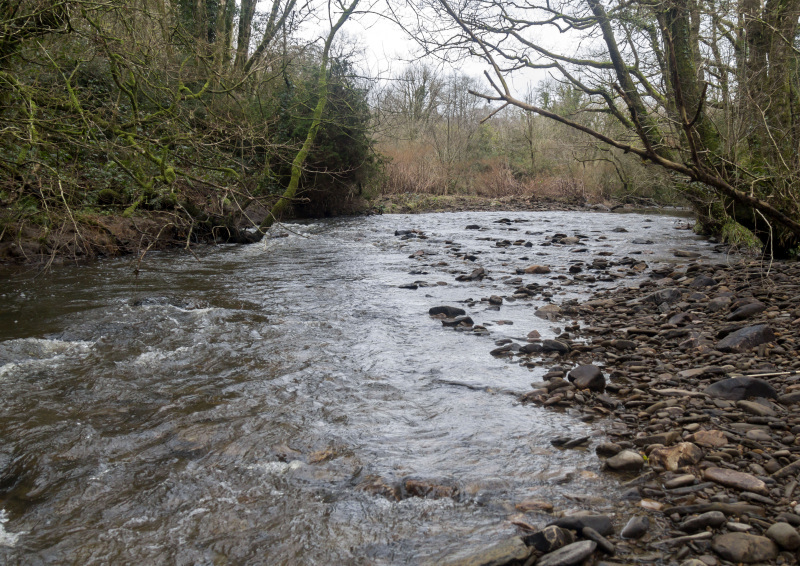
[
  {"x": 600, "y": 523},
  {"x": 626, "y": 461},
  {"x": 500, "y": 554},
  {"x": 449, "y": 312},
  {"x": 588, "y": 377},
  {"x": 550, "y": 539}
]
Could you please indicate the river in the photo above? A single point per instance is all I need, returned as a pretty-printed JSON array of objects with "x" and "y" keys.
[{"x": 259, "y": 404}]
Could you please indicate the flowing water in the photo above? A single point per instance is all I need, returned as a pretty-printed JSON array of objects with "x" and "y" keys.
[{"x": 259, "y": 404}]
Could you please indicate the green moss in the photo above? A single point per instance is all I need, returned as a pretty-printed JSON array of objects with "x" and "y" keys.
[{"x": 737, "y": 235}]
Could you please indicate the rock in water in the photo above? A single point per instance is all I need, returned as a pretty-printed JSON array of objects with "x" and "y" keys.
[
  {"x": 601, "y": 523},
  {"x": 739, "y": 388},
  {"x": 741, "y": 547},
  {"x": 537, "y": 269},
  {"x": 588, "y": 377},
  {"x": 449, "y": 312},
  {"x": 574, "y": 553},
  {"x": 746, "y": 339},
  {"x": 555, "y": 346}
]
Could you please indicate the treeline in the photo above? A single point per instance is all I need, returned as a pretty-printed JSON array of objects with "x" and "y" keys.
[
  {"x": 194, "y": 109},
  {"x": 440, "y": 139},
  {"x": 216, "y": 116}
]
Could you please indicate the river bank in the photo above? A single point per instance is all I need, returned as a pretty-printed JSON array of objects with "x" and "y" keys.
[
  {"x": 692, "y": 374},
  {"x": 85, "y": 236}
]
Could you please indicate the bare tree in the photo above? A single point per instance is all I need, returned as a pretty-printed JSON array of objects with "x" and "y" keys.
[{"x": 704, "y": 89}]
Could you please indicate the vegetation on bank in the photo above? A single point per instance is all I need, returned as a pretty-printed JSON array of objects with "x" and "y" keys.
[{"x": 133, "y": 124}]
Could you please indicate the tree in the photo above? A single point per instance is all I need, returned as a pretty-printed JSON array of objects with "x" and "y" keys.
[
  {"x": 322, "y": 88},
  {"x": 706, "y": 89}
]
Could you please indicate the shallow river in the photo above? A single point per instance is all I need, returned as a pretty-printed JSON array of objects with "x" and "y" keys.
[{"x": 257, "y": 404}]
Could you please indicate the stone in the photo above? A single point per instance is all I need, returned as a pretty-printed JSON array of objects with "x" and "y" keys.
[
  {"x": 718, "y": 303},
  {"x": 756, "y": 408},
  {"x": 636, "y": 527},
  {"x": 476, "y": 275},
  {"x": 784, "y": 535},
  {"x": 499, "y": 554},
  {"x": 626, "y": 461},
  {"x": 666, "y": 438},
  {"x": 672, "y": 458},
  {"x": 702, "y": 281},
  {"x": 607, "y": 449},
  {"x": 680, "y": 481},
  {"x": 449, "y": 312},
  {"x": 550, "y": 539},
  {"x": 746, "y": 339},
  {"x": 664, "y": 296},
  {"x": 685, "y": 253},
  {"x": 736, "y": 480},
  {"x": 555, "y": 346},
  {"x": 537, "y": 269},
  {"x": 747, "y": 311},
  {"x": 549, "y": 312},
  {"x": 602, "y": 542},
  {"x": 709, "y": 438},
  {"x": 574, "y": 553},
  {"x": 743, "y": 547},
  {"x": 588, "y": 377},
  {"x": 740, "y": 388},
  {"x": 458, "y": 321},
  {"x": 712, "y": 519},
  {"x": 495, "y": 300},
  {"x": 601, "y": 523}
]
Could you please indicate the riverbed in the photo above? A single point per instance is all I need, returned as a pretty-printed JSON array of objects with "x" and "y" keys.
[{"x": 268, "y": 404}]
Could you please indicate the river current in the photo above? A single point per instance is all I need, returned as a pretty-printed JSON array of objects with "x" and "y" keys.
[{"x": 258, "y": 404}]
